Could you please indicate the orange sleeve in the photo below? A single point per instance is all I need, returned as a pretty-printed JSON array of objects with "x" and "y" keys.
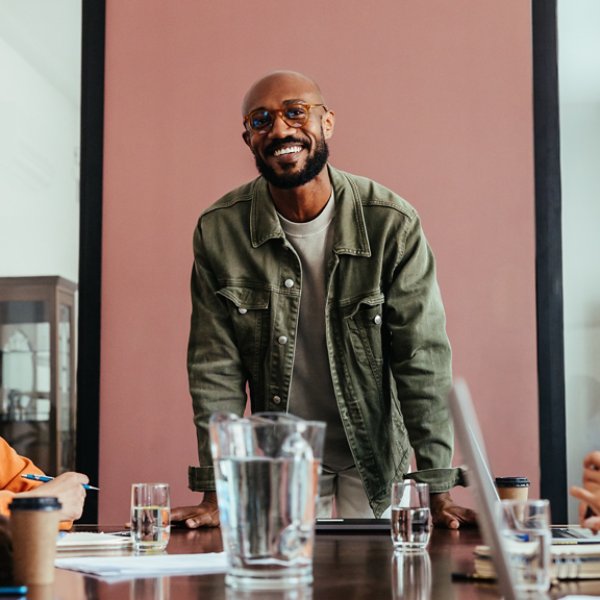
[{"x": 12, "y": 466}]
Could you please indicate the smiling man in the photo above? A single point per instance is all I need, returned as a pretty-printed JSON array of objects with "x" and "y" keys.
[{"x": 315, "y": 289}]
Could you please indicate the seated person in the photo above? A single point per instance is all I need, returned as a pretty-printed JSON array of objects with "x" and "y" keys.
[
  {"x": 68, "y": 487},
  {"x": 589, "y": 493}
]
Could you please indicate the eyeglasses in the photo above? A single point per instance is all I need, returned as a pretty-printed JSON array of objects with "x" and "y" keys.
[{"x": 294, "y": 114}]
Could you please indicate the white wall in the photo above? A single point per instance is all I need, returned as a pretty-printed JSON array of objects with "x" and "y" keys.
[
  {"x": 39, "y": 139},
  {"x": 579, "y": 82}
]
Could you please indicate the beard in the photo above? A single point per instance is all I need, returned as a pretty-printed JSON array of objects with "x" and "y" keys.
[{"x": 286, "y": 181}]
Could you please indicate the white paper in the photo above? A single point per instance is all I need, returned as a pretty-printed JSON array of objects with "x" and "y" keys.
[{"x": 129, "y": 567}]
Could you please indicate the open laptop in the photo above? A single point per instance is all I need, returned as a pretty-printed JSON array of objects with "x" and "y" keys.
[
  {"x": 561, "y": 534},
  {"x": 484, "y": 491},
  {"x": 480, "y": 481}
]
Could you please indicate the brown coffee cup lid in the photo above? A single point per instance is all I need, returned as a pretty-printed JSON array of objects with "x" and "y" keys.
[
  {"x": 512, "y": 482},
  {"x": 35, "y": 503}
]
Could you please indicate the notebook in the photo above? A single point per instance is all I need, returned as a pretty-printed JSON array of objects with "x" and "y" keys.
[{"x": 353, "y": 526}]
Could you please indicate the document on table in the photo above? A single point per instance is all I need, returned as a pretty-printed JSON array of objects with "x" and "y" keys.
[{"x": 129, "y": 567}]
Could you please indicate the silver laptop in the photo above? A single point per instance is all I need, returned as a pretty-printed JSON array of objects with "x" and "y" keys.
[
  {"x": 480, "y": 481},
  {"x": 561, "y": 534}
]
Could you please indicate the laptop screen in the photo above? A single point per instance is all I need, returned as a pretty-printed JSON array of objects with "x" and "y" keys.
[{"x": 480, "y": 481}]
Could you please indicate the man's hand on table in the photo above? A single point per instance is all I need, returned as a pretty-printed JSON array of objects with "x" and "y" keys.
[
  {"x": 447, "y": 514},
  {"x": 205, "y": 514}
]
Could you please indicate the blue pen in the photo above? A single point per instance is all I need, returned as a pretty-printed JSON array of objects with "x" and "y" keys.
[
  {"x": 45, "y": 479},
  {"x": 17, "y": 590}
]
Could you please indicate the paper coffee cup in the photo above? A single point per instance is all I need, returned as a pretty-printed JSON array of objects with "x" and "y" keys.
[
  {"x": 512, "y": 488},
  {"x": 34, "y": 527}
]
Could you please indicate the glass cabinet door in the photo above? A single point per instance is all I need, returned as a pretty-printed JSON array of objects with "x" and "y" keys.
[{"x": 37, "y": 396}]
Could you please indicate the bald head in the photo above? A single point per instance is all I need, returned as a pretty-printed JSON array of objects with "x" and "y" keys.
[{"x": 278, "y": 86}]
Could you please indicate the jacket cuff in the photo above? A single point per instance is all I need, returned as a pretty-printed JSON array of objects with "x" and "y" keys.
[
  {"x": 439, "y": 480},
  {"x": 201, "y": 479}
]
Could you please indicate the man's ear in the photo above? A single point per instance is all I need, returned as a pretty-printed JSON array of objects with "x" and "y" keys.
[
  {"x": 246, "y": 138},
  {"x": 328, "y": 124}
]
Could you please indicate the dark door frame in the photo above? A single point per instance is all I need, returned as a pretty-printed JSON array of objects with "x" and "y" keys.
[
  {"x": 549, "y": 287},
  {"x": 90, "y": 246},
  {"x": 552, "y": 437}
]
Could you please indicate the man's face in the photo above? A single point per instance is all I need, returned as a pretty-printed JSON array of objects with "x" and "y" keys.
[{"x": 285, "y": 155}]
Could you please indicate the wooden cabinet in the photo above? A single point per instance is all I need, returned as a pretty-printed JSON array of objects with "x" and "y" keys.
[{"x": 37, "y": 369}]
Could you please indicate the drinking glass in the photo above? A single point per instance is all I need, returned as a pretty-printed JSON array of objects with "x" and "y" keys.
[
  {"x": 150, "y": 516},
  {"x": 411, "y": 515},
  {"x": 525, "y": 526}
]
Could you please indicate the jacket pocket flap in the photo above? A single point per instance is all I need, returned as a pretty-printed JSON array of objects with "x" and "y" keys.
[
  {"x": 244, "y": 297},
  {"x": 361, "y": 304}
]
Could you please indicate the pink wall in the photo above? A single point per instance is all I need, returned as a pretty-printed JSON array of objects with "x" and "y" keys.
[{"x": 433, "y": 99}]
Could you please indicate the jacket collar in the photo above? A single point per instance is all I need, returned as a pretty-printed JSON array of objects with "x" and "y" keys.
[{"x": 350, "y": 231}]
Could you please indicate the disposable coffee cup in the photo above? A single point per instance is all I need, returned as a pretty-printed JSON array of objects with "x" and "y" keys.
[
  {"x": 512, "y": 488},
  {"x": 34, "y": 527}
]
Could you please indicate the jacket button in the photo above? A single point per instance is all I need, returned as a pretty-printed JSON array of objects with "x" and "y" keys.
[
  {"x": 282, "y": 339},
  {"x": 377, "y": 320},
  {"x": 242, "y": 310},
  {"x": 289, "y": 283},
  {"x": 276, "y": 399}
]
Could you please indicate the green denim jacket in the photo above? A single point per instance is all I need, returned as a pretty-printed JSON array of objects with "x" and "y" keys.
[{"x": 389, "y": 355}]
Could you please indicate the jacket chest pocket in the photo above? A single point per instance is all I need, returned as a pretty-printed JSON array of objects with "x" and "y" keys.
[
  {"x": 364, "y": 320},
  {"x": 249, "y": 313}
]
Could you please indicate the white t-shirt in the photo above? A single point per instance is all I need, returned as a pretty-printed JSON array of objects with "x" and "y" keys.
[{"x": 311, "y": 394}]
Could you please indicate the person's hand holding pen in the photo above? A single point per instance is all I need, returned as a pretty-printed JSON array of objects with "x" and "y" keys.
[
  {"x": 70, "y": 491},
  {"x": 589, "y": 493}
]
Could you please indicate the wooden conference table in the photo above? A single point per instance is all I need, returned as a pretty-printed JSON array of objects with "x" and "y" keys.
[{"x": 356, "y": 566}]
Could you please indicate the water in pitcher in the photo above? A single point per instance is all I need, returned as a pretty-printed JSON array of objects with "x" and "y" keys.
[{"x": 270, "y": 526}]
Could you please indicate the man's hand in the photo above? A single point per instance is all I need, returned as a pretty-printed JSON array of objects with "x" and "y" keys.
[
  {"x": 206, "y": 514},
  {"x": 589, "y": 494},
  {"x": 69, "y": 490},
  {"x": 447, "y": 514}
]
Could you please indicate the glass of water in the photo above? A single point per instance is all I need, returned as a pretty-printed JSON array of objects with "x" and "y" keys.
[
  {"x": 411, "y": 515},
  {"x": 525, "y": 526},
  {"x": 150, "y": 516}
]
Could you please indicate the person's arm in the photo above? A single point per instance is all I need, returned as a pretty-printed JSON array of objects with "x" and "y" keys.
[
  {"x": 589, "y": 493},
  {"x": 69, "y": 490},
  {"x": 421, "y": 364},
  {"x": 12, "y": 466},
  {"x": 68, "y": 487},
  {"x": 216, "y": 379}
]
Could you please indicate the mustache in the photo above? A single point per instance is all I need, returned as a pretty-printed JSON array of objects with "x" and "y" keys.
[{"x": 276, "y": 144}]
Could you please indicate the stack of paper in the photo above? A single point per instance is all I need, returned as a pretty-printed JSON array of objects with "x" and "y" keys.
[
  {"x": 569, "y": 561},
  {"x": 128, "y": 567}
]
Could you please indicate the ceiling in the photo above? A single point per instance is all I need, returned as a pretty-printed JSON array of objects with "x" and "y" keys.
[{"x": 47, "y": 34}]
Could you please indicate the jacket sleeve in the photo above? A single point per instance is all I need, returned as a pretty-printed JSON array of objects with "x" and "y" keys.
[
  {"x": 12, "y": 466},
  {"x": 421, "y": 359},
  {"x": 216, "y": 377}
]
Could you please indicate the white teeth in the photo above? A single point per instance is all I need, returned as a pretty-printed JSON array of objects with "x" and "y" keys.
[{"x": 288, "y": 150}]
